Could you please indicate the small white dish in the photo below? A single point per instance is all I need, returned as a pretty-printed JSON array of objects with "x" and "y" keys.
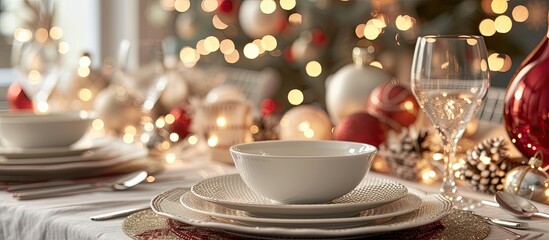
[
  {"x": 433, "y": 208},
  {"x": 377, "y": 215},
  {"x": 231, "y": 192}
]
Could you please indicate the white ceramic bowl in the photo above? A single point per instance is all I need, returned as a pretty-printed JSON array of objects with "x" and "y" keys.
[
  {"x": 302, "y": 172},
  {"x": 30, "y": 130}
]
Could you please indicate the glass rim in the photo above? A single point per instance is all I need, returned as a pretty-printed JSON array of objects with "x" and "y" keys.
[{"x": 456, "y": 36}]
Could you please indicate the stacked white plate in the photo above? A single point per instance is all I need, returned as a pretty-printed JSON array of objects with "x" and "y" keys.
[
  {"x": 376, "y": 206},
  {"x": 86, "y": 158}
]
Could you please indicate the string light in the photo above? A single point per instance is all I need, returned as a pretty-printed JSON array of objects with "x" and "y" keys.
[{"x": 487, "y": 27}]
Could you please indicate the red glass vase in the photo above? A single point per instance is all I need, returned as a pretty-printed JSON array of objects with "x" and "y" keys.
[{"x": 526, "y": 108}]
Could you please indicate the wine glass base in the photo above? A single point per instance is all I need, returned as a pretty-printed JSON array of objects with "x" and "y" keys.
[{"x": 463, "y": 203}]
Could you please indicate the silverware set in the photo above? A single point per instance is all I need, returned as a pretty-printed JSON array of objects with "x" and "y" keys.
[{"x": 516, "y": 206}]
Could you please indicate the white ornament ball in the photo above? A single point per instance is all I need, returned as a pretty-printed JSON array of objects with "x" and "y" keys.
[
  {"x": 186, "y": 25},
  {"x": 225, "y": 93},
  {"x": 305, "y": 122},
  {"x": 348, "y": 89},
  {"x": 257, "y": 24},
  {"x": 176, "y": 91}
]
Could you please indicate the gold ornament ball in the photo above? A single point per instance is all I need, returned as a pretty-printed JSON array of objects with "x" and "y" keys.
[
  {"x": 527, "y": 181},
  {"x": 305, "y": 122}
]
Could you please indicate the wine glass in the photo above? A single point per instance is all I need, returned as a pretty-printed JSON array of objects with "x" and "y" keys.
[{"x": 450, "y": 78}]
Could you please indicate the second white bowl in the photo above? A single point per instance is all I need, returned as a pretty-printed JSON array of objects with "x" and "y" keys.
[{"x": 30, "y": 130}]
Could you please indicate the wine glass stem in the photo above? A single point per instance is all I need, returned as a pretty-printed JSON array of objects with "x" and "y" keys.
[{"x": 449, "y": 188}]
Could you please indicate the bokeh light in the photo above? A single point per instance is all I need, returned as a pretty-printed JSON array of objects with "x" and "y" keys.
[
  {"x": 287, "y": 4},
  {"x": 211, "y": 44},
  {"x": 41, "y": 35},
  {"x": 503, "y": 24},
  {"x": 226, "y": 46},
  {"x": 217, "y": 23},
  {"x": 403, "y": 22},
  {"x": 487, "y": 27},
  {"x": 182, "y": 5},
  {"x": 520, "y": 13},
  {"x": 209, "y": 5},
  {"x": 295, "y": 19},
  {"x": 22, "y": 35},
  {"x": 232, "y": 57},
  {"x": 251, "y": 51},
  {"x": 267, "y": 6},
  {"x": 313, "y": 68},
  {"x": 56, "y": 33},
  {"x": 268, "y": 42},
  {"x": 63, "y": 47},
  {"x": 295, "y": 97},
  {"x": 499, "y": 6}
]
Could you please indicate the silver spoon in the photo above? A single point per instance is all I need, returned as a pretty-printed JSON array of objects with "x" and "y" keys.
[
  {"x": 518, "y": 206},
  {"x": 123, "y": 183}
]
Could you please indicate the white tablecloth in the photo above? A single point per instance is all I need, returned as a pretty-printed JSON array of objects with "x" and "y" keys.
[{"x": 68, "y": 217}]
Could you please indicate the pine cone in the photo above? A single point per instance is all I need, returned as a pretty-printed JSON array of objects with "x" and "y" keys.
[
  {"x": 486, "y": 166},
  {"x": 404, "y": 152}
]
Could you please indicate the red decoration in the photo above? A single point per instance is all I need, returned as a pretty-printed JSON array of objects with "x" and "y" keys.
[
  {"x": 227, "y": 11},
  {"x": 225, "y": 6},
  {"x": 182, "y": 122},
  {"x": 17, "y": 98},
  {"x": 526, "y": 109},
  {"x": 360, "y": 127},
  {"x": 318, "y": 37},
  {"x": 394, "y": 105}
]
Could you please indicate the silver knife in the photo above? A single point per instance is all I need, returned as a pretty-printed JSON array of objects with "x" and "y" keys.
[{"x": 117, "y": 214}]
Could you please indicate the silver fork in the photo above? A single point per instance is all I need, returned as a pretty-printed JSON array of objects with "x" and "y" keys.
[{"x": 515, "y": 234}]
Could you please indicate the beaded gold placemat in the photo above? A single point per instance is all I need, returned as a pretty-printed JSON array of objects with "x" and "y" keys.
[{"x": 148, "y": 225}]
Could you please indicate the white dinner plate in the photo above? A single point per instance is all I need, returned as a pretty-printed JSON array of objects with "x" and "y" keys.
[
  {"x": 73, "y": 150},
  {"x": 106, "y": 149},
  {"x": 377, "y": 215},
  {"x": 433, "y": 208},
  {"x": 231, "y": 192},
  {"x": 124, "y": 152}
]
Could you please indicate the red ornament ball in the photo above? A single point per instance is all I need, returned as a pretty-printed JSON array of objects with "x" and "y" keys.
[
  {"x": 17, "y": 98},
  {"x": 360, "y": 127},
  {"x": 394, "y": 104},
  {"x": 526, "y": 104},
  {"x": 225, "y": 6},
  {"x": 182, "y": 122}
]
